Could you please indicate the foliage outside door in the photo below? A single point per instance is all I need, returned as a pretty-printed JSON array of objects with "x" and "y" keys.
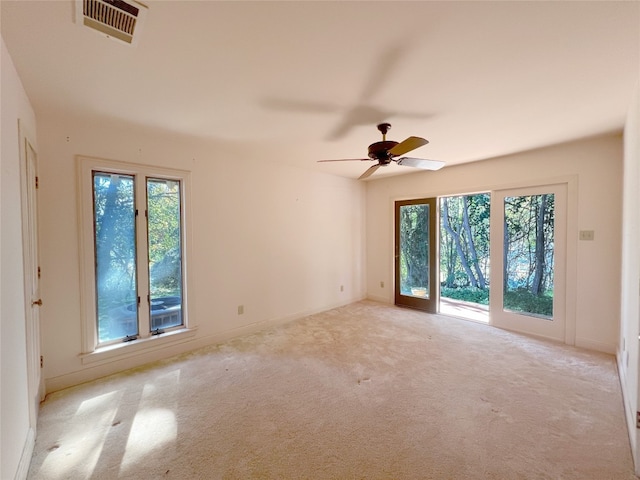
[
  {"x": 464, "y": 247},
  {"x": 528, "y": 254}
]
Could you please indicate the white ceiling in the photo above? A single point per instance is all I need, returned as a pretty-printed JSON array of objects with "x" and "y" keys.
[{"x": 310, "y": 80}]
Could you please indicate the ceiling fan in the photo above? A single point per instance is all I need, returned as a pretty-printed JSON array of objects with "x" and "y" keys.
[{"x": 388, "y": 151}]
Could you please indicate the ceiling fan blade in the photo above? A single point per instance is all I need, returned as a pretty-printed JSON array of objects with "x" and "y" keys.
[
  {"x": 420, "y": 163},
  {"x": 407, "y": 145},
  {"x": 290, "y": 105},
  {"x": 369, "y": 172},
  {"x": 340, "y": 131},
  {"x": 384, "y": 68},
  {"x": 357, "y": 116},
  {"x": 347, "y": 160}
]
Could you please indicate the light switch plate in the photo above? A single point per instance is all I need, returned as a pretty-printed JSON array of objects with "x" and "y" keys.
[{"x": 587, "y": 234}]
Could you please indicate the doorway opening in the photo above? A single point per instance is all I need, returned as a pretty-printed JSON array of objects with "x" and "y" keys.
[{"x": 464, "y": 256}]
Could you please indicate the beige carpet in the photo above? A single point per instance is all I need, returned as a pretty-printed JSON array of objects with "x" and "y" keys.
[{"x": 366, "y": 391}]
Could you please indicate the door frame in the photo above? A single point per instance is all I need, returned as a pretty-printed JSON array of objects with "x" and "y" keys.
[
  {"x": 554, "y": 328},
  {"x": 571, "y": 182},
  {"x": 429, "y": 304}
]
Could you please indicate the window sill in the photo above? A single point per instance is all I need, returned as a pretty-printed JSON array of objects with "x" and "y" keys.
[{"x": 136, "y": 347}]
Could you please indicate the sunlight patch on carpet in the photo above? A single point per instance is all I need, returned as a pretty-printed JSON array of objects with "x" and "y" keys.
[
  {"x": 155, "y": 425},
  {"x": 78, "y": 450}
]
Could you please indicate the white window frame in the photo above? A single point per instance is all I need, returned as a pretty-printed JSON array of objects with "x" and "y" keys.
[{"x": 91, "y": 350}]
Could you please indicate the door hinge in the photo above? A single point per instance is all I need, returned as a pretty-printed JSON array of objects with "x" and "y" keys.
[
  {"x": 41, "y": 361},
  {"x": 637, "y": 419},
  {"x": 39, "y": 272},
  {"x": 37, "y": 182}
]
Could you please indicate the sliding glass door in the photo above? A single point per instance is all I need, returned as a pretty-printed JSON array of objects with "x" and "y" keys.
[
  {"x": 527, "y": 247},
  {"x": 528, "y": 251}
]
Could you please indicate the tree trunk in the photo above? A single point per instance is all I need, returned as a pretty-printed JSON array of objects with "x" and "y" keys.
[
  {"x": 505, "y": 254},
  {"x": 456, "y": 238},
  {"x": 537, "y": 286},
  {"x": 472, "y": 248},
  {"x": 450, "y": 262}
]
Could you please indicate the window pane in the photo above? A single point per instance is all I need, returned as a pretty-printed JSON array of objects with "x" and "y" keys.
[
  {"x": 414, "y": 250},
  {"x": 115, "y": 250},
  {"x": 165, "y": 252},
  {"x": 529, "y": 254}
]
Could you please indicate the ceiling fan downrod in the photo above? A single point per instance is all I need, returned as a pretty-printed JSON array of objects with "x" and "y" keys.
[{"x": 384, "y": 128}]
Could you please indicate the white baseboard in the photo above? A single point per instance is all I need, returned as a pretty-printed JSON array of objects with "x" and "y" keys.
[
  {"x": 27, "y": 453},
  {"x": 629, "y": 411},
  {"x": 376, "y": 298},
  {"x": 596, "y": 345}
]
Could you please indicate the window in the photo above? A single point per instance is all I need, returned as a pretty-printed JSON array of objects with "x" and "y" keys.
[{"x": 133, "y": 254}]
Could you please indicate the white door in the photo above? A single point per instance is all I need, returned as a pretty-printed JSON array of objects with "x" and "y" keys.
[
  {"x": 528, "y": 255},
  {"x": 31, "y": 274}
]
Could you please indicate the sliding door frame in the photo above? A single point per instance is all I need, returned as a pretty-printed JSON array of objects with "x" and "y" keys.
[
  {"x": 429, "y": 303},
  {"x": 555, "y": 327},
  {"x": 571, "y": 182}
]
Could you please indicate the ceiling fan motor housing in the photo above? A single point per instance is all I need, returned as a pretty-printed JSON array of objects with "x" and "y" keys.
[{"x": 380, "y": 151}]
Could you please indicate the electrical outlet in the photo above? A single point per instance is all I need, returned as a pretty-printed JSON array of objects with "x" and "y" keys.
[
  {"x": 381, "y": 284},
  {"x": 342, "y": 288},
  {"x": 240, "y": 309}
]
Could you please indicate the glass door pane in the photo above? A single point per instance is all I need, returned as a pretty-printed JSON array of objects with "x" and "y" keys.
[
  {"x": 414, "y": 250},
  {"x": 115, "y": 250},
  {"x": 529, "y": 227},
  {"x": 415, "y": 254},
  {"x": 165, "y": 253}
]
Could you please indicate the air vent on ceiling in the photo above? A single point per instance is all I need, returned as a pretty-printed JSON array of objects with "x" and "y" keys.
[{"x": 117, "y": 19}]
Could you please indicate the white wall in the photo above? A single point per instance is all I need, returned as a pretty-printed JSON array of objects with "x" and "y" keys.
[
  {"x": 628, "y": 355},
  {"x": 595, "y": 164},
  {"x": 276, "y": 239},
  {"x": 16, "y": 438}
]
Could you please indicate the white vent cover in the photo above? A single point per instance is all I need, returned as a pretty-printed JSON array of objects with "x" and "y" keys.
[{"x": 118, "y": 19}]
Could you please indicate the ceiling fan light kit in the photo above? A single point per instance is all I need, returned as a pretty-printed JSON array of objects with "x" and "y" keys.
[{"x": 388, "y": 151}]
